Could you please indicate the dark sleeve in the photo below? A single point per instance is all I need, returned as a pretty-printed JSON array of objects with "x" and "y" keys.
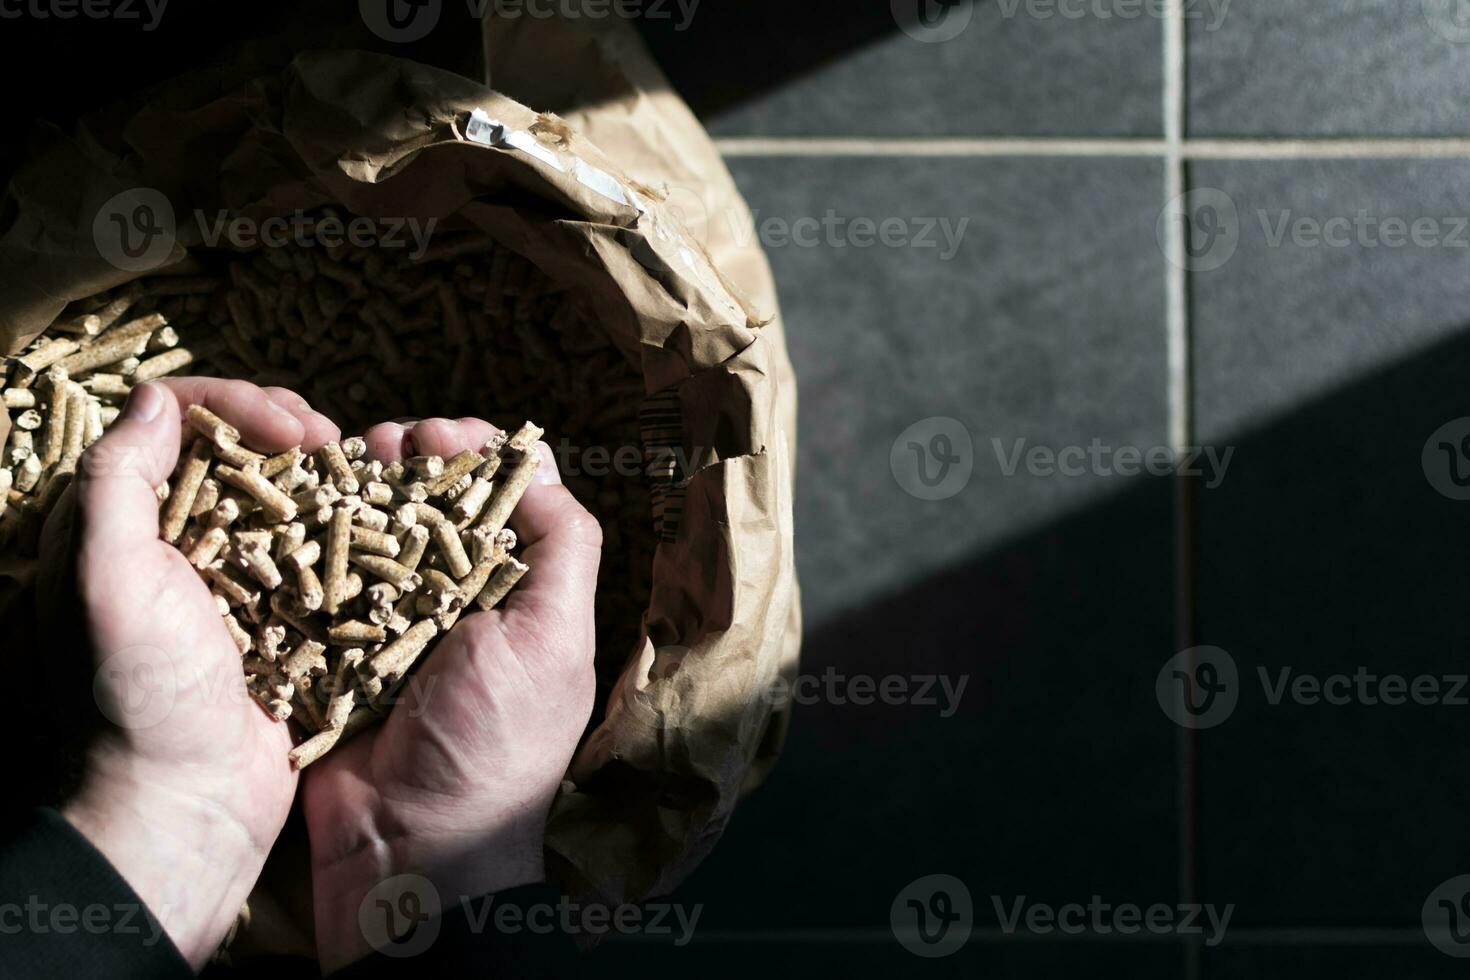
[
  {"x": 65, "y": 912},
  {"x": 515, "y": 933}
]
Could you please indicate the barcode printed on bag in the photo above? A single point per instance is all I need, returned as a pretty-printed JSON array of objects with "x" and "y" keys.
[{"x": 661, "y": 424}]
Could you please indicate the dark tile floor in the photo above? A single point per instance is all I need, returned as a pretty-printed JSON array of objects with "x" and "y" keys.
[{"x": 1326, "y": 549}]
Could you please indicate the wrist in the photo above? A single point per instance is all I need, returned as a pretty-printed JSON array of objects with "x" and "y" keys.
[
  {"x": 189, "y": 860},
  {"x": 443, "y": 869}
]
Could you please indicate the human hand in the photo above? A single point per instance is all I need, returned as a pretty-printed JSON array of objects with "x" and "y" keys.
[
  {"x": 457, "y": 782},
  {"x": 187, "y": 784}
]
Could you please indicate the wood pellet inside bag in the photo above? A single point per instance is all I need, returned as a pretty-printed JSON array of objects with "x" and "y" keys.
[{"x": 326, "y": 565}]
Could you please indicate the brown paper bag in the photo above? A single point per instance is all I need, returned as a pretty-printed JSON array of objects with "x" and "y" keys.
[{"x": 687, "y": 728}]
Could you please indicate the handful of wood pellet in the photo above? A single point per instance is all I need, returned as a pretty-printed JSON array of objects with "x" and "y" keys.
[
  {"x": 334, "y": 574},
  {"x": 365, "y": 333}
]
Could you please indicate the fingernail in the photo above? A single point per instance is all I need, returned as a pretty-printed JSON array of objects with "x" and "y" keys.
[
  {"x": 547, "y": 472},
  {"x": 144, "y": 403}
]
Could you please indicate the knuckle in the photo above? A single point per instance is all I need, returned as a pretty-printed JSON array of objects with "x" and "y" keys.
[
  {"x": 235, "y": 388},
  {"x": 579, "y": 524}
]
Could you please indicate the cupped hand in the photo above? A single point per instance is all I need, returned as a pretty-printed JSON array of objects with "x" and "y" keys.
[
  {"x": 187, "y": 783},
  {"x": 456, "y": 784}
]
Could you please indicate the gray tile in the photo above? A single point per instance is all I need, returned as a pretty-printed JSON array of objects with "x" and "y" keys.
[
  {"x": 1044, "y": 326},
  {"x": 1048, "y": 595},
  {"x": 1327, "y": 282},
  {"x": 832, "y": 67},
  {"x": 1306, "y": 68},
  {"x": 1327, "y": 550}
]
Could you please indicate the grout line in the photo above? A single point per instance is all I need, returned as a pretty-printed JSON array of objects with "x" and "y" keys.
[
  {"x": 1280, "y": 936},
  {"x": 1181, "y": 432},
  {"x": 1176, "y": 312},
  {"x": 487, "y": 69},
  {"x": 1326, "y": 937},
  {"x": 1004, "y": 146},
  {"x": 1046, "y": 146},
  {"x": 1333, "y": 149}
]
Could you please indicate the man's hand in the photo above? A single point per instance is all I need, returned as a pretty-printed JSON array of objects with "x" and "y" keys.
[
  {"x": 456, "y": 784},
  {"x": 188, "y": 784}
]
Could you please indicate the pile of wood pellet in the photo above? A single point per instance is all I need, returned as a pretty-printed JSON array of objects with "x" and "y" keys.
[
  {"x": 366, "y": 334},
  {"x": 344, "y": 570}
]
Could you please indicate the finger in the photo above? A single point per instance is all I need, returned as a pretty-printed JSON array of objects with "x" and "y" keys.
[
  {"x": 449, "y": 437},
  {"x": 117, "y": 475},
  {"x": 116, "y": 502},
  {"x": 264, "y": 426},
  {"x": 319, "y": 430},
  {"x": 387, "y": 442},
  {"x": 563, "y": 545}
]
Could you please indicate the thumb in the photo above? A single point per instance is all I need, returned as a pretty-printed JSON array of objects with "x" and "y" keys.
[
  {"x": 107, "y": 519},
  {"x": 117, "y": 503},
  {"x": 562, "y": 543}
]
